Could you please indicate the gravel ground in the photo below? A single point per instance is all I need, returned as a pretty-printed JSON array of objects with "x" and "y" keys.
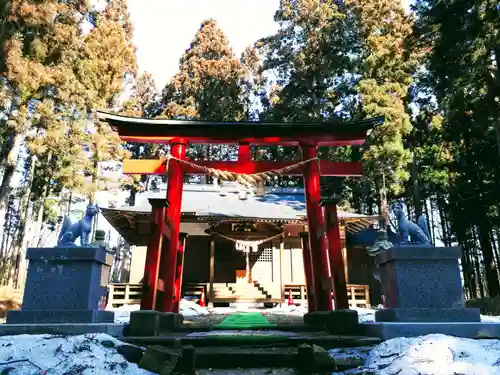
[
  {"x": 215, "y": 319},
  {"x": 250, "y": 371}
]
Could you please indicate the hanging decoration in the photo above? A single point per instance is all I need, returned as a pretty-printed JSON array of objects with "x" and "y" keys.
[
  {"x": 245, "y": 245},
  {"x": 243, "y": 178}
]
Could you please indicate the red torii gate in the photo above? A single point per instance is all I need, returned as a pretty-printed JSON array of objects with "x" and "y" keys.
[{"x": 165, "y": 252}]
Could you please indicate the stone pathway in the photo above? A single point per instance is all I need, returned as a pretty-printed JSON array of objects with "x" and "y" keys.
[
  {"x": 214, "y": 320},
  {"x": 246, "y": 321}
]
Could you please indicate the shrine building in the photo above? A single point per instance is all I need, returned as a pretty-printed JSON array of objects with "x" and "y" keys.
[{"x": 272, "y": 220}]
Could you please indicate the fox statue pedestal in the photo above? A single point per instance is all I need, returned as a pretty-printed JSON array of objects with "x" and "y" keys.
[
  {"x": 65, "y": 285},
  {"x": 422, "y": 284}
]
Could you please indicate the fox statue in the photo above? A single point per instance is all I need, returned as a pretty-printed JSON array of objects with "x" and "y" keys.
[
  {"x": 412, "y": 233},
  {"x": 70, "y": 231}
]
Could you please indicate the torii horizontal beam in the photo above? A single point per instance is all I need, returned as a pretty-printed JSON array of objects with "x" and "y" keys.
[
  {"x": 320, "y": 133},
  {"x": 158, "y": 167}
]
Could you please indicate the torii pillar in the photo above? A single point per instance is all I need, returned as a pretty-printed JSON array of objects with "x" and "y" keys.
[
  {"x": 337, "y": 268},
  {"x": 317, "y": 241},
  {"x": 151, "y": 282},
  {"x": 178, "y": 147}
]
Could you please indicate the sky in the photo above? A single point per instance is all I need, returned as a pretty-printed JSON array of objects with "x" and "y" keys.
[{"x": 165, "y": 28}]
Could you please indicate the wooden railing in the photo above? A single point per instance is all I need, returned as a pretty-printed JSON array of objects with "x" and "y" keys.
[
  {"x": 359, "y": 295},
  {"x": 130, "y": 294},
  {"x": 124, "y": 294}
]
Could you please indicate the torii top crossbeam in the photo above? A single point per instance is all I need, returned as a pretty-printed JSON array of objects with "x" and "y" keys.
[{"x": 331, "y": 133}]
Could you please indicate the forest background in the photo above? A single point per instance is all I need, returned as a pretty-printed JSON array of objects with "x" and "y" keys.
[{"x": 432, "y": 73}]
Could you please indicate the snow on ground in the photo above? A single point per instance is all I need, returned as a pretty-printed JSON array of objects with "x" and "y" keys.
[
  {"x": 96, "y": 354},
  {"x": 52, "y": 355},
  {"x": 435, "y": 354},
  {"x": 187, "y": 308},
  {"x": 191, "y": 309}
]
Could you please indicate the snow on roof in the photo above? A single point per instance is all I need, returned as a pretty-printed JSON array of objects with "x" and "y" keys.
[{"x": 206, "y": 200}]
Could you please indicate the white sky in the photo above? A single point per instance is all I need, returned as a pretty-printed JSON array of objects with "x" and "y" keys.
[{"x": 164, "y": 28}]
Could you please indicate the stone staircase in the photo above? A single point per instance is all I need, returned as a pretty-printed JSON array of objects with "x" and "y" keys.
[{"x": 241, "y": 292}]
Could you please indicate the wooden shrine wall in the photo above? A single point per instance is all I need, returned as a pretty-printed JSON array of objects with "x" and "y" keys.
[{"x": 361, "y": 268}]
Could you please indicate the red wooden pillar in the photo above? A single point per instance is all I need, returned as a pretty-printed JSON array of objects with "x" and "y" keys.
[
  {"x": 308, "y": 270},
  {"x": 153, "y": 254},
  {"x": 180, "y": 268},
  {"x": 316, "y": 224},
  {"x": 335, "y": 254},
  {"x": 174, "y": 196}
]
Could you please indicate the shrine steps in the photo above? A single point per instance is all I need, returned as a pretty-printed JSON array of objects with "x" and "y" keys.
[
  {"x": 250, "y": 349},
  {"x": 253, "y": 339},
  {"x": 243, "y": 292}
]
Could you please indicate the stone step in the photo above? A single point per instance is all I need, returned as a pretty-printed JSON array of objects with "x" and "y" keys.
[
  {"x": 284, "y": 339},
  {"x": 227, "y": 357},
  {"x": 312, "y": 359}
]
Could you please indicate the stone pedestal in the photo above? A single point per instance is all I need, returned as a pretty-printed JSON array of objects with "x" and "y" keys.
[
  {"x": 422, "y": 284},
  {"x": 65, "y": 285},
  {"x": 147, "y": 323},
  {"x": 336, "y": 322}
]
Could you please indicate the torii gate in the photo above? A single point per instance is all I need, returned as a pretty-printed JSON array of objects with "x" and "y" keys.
[{"x": 164, "y": 259}]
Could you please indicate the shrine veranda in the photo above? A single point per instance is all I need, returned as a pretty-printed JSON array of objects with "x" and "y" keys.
[{"x": 162, "y": 282}]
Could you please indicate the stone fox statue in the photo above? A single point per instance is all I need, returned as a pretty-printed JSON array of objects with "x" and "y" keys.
[
  {"x": 70, "y": 231},
  {"x": 411, "y": 232}
]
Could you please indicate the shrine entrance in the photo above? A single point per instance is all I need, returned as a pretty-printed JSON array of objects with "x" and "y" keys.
[{"x": 322, "y": 249}]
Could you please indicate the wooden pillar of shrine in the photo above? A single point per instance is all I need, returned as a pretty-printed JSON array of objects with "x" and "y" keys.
[
  {"x": 315, "y": 222},
  {"x": 174, "y": 196},
  {"x": 180, "y": 269},
  {"x": 282, "y": 256},
  {"x": 211, "y": 293},
  {"x": 335, "y": 254},
  {"x": 308, "y": 271},
  {"x": 153, "y": 254}
]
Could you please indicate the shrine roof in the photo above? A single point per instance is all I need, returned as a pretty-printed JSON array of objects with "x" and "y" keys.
[
  {"x": 157, "y": 130},
  {"x": 203, "y": 202}
]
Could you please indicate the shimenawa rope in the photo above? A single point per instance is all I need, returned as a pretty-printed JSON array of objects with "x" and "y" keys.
[
  {"x": 247, "y": 246},
  {"x": 243, "y": 178}
]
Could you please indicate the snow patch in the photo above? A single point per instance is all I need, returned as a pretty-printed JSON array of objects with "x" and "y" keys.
[
  {"x": 188, "y": 309},
  {"x": 51, "y": 355},
  {"x": 435, "y": 354}
]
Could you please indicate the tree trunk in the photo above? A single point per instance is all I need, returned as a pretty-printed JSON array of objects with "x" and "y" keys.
[
  {"x": 477, "y": 263},
  {"x": 37, "y": 230},
  {"x": 489, "y": 262},
  {"x": 10, "y": 163},
  {"x": 25, "y": 230},
  {"x": 444, "y": 224},
  {"x": 495, "y": 249},
  {"x": 415, "y": 186}
]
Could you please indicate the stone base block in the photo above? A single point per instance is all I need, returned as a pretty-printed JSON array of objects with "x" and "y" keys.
[
  {"x": 337, "y": 322},
  {"x": 387, "y": 331},
  {"x": 428, "y": 315},
  {"x": 316, "y": 319},
  {"x": 168, "y": 322},
  {"x": 112, "y": 329},
  {"x": 59, "y": 316},
  {"x": 145, "y": 323},
  {"x": 343, "y": 322}
]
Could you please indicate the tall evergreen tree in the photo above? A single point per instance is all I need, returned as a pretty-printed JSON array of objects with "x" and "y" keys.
[
  {"x": 212, "y": 84},
  {"x": 466, "y": 86},
  {"x": 207, "y": 85},
  {"x": 386, "y": 70},
  {"x": 107, "y": 57},
  {"x": 38, "y": 44}
]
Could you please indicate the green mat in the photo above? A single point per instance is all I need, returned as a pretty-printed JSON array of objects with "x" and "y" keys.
[
  {"x": 268, "y": 339},
  {"x": 245, "y": 321}
]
